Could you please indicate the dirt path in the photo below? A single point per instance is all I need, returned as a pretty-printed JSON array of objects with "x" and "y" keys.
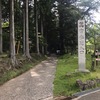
[{"x": 36, "y": 84}]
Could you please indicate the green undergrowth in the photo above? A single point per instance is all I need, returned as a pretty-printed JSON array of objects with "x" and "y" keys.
[
  {"x": 24, "y": 66},
  {"x": 66, "y": 75}
]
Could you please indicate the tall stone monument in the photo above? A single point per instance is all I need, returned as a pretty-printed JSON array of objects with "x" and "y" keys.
[{"x": 81, "y": 46}]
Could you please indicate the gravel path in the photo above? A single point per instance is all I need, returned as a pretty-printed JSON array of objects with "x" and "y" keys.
[{"x": 36, "y": 84}]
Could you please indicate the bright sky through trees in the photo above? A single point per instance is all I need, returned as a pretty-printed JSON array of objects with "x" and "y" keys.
[{"x": 97, "y": 16}]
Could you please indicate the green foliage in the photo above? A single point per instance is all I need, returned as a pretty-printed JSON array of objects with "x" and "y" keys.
[
  {"x": 68, "y": 17},
  {"x": 59, "y": 22},
  {"x": 6, "y": 24},
  {"x": 86, "y": 6},
  {"x": 93, "y": 36}
]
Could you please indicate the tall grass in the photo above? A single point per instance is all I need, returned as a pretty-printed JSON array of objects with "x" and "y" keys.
[{"x": 65, "y": 78}]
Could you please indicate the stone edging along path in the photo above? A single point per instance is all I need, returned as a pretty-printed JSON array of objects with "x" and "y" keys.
[{"x": 92, "y": 94}]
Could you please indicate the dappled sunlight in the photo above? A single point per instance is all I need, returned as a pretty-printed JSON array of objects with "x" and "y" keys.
[
  {"x": 95, "y": 74},
  {"x": 34, "y": 74},
  {"x": 49, "y": 75},
  {"x": 52, "y": 66},
  {"x": 40, "y": 84},
  {"x": 41, "y": 71},
  {"x": 47, "y": 63}
]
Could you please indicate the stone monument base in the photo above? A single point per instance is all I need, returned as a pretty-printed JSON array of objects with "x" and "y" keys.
[{"x": 82, "y": 70}]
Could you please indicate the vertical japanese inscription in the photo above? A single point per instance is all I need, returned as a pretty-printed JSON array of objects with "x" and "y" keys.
[{"x": 81, "y": 44}]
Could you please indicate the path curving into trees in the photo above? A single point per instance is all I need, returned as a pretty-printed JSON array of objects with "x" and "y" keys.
[{"x": 36, "y": 84}]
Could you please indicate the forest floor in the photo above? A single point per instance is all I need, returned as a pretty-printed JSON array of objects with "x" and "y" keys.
[{"x": 8, "y": 72}]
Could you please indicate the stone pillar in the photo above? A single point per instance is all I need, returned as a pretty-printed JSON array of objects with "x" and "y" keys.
[{"x": 81, "y": 46}]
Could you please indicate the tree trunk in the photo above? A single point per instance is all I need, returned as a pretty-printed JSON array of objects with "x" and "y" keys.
[
  {"x": 94, "y": 44},
  {"x": 62, "y": 49},
  {"x": 36, "y": 26},
  {"x": 27, "y": 31},
  {"x": 42, "y": 32},
  {"x": 0, "y": 29},
  {"x": 24, "y": 41},
  {"x": 12, "y": 34},
  {"x": 18, "y": 46}
]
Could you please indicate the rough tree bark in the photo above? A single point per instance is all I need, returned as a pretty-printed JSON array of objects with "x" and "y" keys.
[
  {"x": 24, "y": 41},
  {"x": 36, "y": 26},
  {"x": 42, "y": 32},
  {"x": 0, "y": 29},
  {"x": 27, "y": 31},
  {"x": 12, "y": 34}
]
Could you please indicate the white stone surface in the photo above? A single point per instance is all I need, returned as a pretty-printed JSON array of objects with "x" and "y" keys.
[{"x": 81, "y": 45}]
